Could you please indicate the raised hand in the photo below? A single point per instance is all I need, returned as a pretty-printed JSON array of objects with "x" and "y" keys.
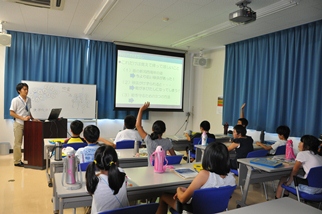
[{"x": 145, "y": 106}]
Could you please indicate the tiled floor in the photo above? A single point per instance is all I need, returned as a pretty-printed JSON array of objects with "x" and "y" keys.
[{"x": 24, "y": 190}]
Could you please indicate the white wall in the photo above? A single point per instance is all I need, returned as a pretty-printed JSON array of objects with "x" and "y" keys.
[
  {"x": 5, "y": 125},
  {"x": 207, "y": 88}
]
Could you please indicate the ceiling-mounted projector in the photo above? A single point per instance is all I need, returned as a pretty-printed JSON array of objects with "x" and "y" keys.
[{"x": 244, "y": 14}]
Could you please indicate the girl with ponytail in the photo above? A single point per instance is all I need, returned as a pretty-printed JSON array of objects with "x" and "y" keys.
[
  {"x": 155, "y": 138},
  {"x": 108, "y": 186}
]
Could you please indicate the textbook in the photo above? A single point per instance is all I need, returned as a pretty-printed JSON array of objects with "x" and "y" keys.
[
  {"x": 267, "y": 162},
  {"x": 186, "y": 173}
]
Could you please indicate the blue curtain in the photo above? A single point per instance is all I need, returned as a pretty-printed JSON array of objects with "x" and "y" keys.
[
  {"x": 279, "y": 77},
  {"x": 42, "y": 58},
  {"x": 47, "y": 58}
]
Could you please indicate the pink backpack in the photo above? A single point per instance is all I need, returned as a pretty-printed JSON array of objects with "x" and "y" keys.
[
  {"x": 289, "y": 153},
  {"x": 159, "y": 157}
]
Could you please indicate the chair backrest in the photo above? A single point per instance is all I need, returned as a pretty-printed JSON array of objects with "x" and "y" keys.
[
  {"x": 75, "y": 146},
  {"x": 197, "y": 140},
  {"x": 314, "y": 177},
  {"x": 83, "y": 166},
  {"x": 257, "y": 153},
  {"x": 142, "y": 208},
  {"x": 126, "y": 144},
  {"x": 211, "y": 200},
  {"x": 280, "y": 150},
  {"x": 172, "y": 159}
]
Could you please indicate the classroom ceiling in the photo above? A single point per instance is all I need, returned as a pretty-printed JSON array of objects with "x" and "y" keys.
[{"x": 162, "y": 23}]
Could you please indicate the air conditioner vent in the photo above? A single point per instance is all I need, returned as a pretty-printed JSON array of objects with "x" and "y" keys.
[{"x": 49, "y": 4}]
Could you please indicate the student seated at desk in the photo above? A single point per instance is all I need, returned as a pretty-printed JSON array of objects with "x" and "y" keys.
[
  {"x": 204, "y": 127},
  {"x": 307, "y": 158},
  {"x": 155, "y": 139},
  {"x": 241, "y": 143},
  {"x": 76, "y": 128},
  {"x": 91, "y": 135},
  {"x": 283, "y": 132},
  {"x": 129, "y": 133},
  {"x": 215, "y": 173},
  {"x": 242, "y": 120},
  {"x": 108, "y": 187}
]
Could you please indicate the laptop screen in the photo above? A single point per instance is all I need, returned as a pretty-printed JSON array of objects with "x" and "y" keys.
[{"x": 54, "y": 114}]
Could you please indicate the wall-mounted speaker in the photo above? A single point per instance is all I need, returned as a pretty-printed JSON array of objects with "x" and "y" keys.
[
  {"x": 5, "y": 39},
  {"x": 200, "y": 61}
]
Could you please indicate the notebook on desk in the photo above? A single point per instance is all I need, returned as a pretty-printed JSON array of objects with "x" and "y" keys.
[
  {"x": 266, "y": 162},
  {"x": 186, "y": 173},
  {"x": 54, "y": 114}
]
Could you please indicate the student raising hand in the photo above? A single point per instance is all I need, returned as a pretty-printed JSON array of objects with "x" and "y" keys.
[
  {"x": 145, "y": 106},
  {"x": 155, "y": 138}
]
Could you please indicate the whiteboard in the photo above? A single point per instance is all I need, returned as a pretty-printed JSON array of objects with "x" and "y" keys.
[{"x": 76, "y": 100}]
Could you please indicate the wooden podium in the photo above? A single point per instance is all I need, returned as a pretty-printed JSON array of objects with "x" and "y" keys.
[{"x": 34, "y": 134}]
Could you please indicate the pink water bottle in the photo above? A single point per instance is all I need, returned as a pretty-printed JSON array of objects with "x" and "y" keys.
[
  {"x": 289, "y": 152},
  {"x": 158, "y": 156}
]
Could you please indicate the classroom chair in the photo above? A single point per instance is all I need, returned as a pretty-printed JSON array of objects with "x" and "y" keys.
[
  {"x": 206, "y": 201},
  {"x": 83, "y": 166},
  {"x": 313, "y": 179},
  {"x": 75, "y": 146},
  {"x": 280, "y": 150},
  {"x": 197, "y": 141},
  {"x": 253, "y": 154},
  {"x": 141, "y": 208},
  {"x": 126, "y": 144},
  {"x": 172, "y": 159}
]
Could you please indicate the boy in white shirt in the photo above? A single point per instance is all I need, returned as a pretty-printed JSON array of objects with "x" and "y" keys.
[
  {"x": 92, "y": 136},
  {"x": 283, "y": 132},
  {"x": 129, "y": 133}
]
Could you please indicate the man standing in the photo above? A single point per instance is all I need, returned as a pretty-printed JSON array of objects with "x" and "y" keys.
[{"x": 20, "y": 110}]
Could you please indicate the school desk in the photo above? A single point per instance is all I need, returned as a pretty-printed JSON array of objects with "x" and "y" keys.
[
  {"x": 126, "y": 160},
  {"x": 250, "y": 173},
  {"x": 200, "y": 150},
  {"x": 282, "y": 205},
  {"x": 180, "y": 142},
  {"x": 143, "y": 183}
]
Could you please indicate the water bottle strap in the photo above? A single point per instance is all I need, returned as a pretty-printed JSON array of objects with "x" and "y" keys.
[{"x": 152, "y": 157}]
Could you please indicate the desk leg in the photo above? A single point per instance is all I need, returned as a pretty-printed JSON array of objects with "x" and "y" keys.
[
  {"x": 198, "y": 154},
  {"x": 202, "y": 152},
  {"x": 56, "y": 201},
  {"x": 242, "y": 203},
  {"x": 50, "y": 184},
  {"x": 61, "y": 206}
]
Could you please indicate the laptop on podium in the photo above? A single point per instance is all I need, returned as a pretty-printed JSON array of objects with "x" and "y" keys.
[{"x": 54, "y": 114}]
